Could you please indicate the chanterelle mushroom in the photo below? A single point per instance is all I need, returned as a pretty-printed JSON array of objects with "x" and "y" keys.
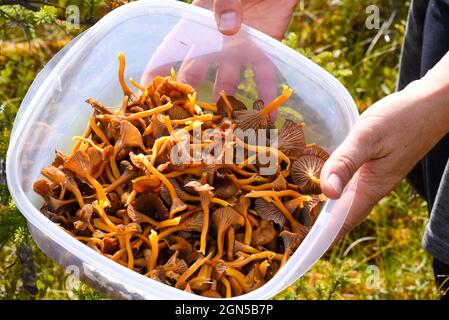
[
  {"x": 264, "y": 234},
  {"x": 306, "y": 172},
  {"x": 224, "y": 218},
  {"x": 80, "y": 164},
  {"x": 206, "y": 194},
  {"x": 260, "y": 119},
  {"x": 291, "y": 139},
  {"x": 268, "y": 211}
]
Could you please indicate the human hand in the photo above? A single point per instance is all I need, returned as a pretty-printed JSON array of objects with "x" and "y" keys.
[
  {"x": 269, "y": 16},
  {"x": 199, "y": 47},
  {"x": 387, "y": 141}
]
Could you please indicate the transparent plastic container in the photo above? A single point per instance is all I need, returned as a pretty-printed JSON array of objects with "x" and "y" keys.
[{"x": 167, "y": 33}]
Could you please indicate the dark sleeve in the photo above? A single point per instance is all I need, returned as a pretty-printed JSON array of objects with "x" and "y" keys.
[
  {"x": 410, "y": 66},
  {"x": 410, "y": 70},
  {"x": 436, "y": 237}
]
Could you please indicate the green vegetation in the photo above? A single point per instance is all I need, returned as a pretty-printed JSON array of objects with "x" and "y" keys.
[{"x": 380, "y": 259}]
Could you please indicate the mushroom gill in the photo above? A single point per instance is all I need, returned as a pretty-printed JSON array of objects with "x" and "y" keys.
[
  {"x": 260, "y": 118},
  {"x": 291, "y": 139},
  {"x": 224, "y": 218}
]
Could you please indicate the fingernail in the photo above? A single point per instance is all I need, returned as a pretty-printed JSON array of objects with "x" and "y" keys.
[
  {"x": 228, "y": 21},
  {"x": 335, "y": 183}
]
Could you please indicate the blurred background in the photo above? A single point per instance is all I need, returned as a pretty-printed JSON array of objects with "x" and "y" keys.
[{"x": 381, "y": 259}]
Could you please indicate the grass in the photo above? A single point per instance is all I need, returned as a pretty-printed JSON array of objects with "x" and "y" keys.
[{"x": 380, "y": 259}]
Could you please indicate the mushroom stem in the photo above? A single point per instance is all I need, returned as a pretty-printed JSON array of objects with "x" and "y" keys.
[
  {"x": 156, "y": 147},
  {"x": 154, "y": 249},
  {"x": 135, "y": 84},
  {"x": 265, "y": 149},
  {"x": 263, "y": 267},
  {"x": 286, "y": 256},
  {"x": 113, "y": 164},
  {"x": 314, "y": 179},
  {"x": 129, "y": 251},
  {"x": 177, "y": 204},
  {"x": 103, "y": 216},
  {"x": 98, "y": 131},
  {"x": 282, "y": 193},
  {"x": 144, "y": 96},
  {"x": 229, "y": 108},
  {"x": 207, "y": 106},
  {"x": 167, "y": 232},
  {"x": 240, "y": 277},
  {"x": 192, "y": 102},
  {"x": 202, "y": 118},
  {"x": 121, "y": 75},
  {"x": 194, "y": 171},
  {"x": 204, "y": 229},
  {"x": 285, "y": 212},
  {"x": 195, "y": 266},
  {"x": 286, "y": 93},
  {"x": 102, "y": 198},
  {"x": 86, "y": 133},
  {"x": 227, "y": 286},
  {"x": 256, "y": 256},
  {"x": 148, "y": 113}
]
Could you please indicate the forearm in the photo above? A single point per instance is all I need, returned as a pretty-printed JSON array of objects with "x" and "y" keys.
[{"x": 432, "y": 93}]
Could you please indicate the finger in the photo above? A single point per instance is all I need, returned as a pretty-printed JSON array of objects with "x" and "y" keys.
[
  {"x": 355, "y": 150},
  {"x": 265, "y": 78},
  {"x": 227, "y": 78},
  {"x": 228, "y": 15},
  {"x": 195, "y": 67},
  {"x": 169, "y": 52}
]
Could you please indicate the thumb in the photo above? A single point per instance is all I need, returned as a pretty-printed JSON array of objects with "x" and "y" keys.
[
  {"x": 344, "y": 163},
  {"x": 228, "y": 15}
]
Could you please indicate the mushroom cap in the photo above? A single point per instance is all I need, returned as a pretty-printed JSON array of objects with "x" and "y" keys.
[
  {"x": 147, "y": 185},
  {"x": 60, "y": 158},
  {"x": 54, "y": 174},
  {"x": 165, "y": 194},
  {"x": 109, "y": 245},
  {"x": 134, "y": 214},
  {"x": 258, "y": 104},
  {"x": 178, "y": 112},
  {"x": 291, "y": 139},
  {"x": 130, "y": 136},
  {"x": 264, "y": 234},
  {"x": 225, "y": 187},
  {"x": 225, "y": 217},
  {"x": 129, "y": 168},
  {"x": 252, "y": 119},
  {"x": 194, "y": 222},
  {"x": 99, "y": 107},
  {"x": 293, "y": 240},
  {"x": 159, "y": 126},
  {"x": 175, "y": 266},
  {"x": 307, "y": 216},
  {"x": 305, "y": 171},
  {"x": 84, "y": 216},
  {"x": 280, "y": 183},
  {"x": 137, "y": 161},
  {"x": 42, "y": 188},
  {"x": 79, "y": 163},
  {"x": 269, "y": 211},
  {"x": 316, "y": 151},
  {"x": 96, "y": 159},
  {"x": 236, "y": 104},
  {"x": 151, "y": 205},
  {"x": 204, "y": 190},
  {"x": 180, "y": 244}
]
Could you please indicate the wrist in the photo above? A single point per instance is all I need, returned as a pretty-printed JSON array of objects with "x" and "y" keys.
[{"x": 431, "y": 94}]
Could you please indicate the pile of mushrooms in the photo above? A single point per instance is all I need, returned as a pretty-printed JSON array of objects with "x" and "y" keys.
[{"x": 217, "y": 230}]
